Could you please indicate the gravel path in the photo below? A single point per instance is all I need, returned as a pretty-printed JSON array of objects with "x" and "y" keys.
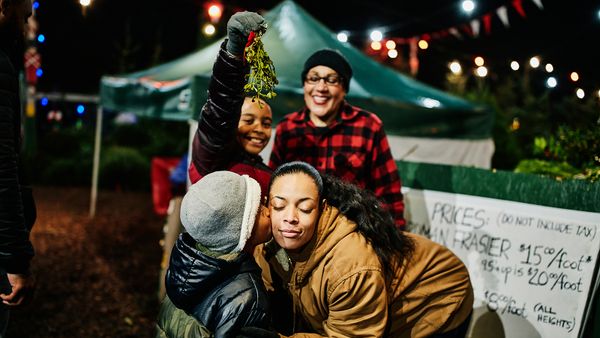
[{"x": 96, "y": 278}]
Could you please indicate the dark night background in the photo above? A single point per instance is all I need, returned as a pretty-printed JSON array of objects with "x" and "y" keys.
[{"x": 129, "y": 35}]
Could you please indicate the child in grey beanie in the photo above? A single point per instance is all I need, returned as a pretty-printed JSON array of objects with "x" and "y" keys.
[
  {"x": 212, "y": 274},
  {"x": 219, "y": 211}
]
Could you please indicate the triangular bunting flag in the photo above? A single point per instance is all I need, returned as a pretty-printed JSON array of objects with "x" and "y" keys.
[
  {"x": 455, "y": 32},
  {"x": 467, "y": 29},
  {"x": 538, "y": 3},
  {"x": 519, "y": 7},
  {"x": 475, "y": 27},
  {"x": 503, "y": 15},
  {"x": 487, "y": 23}
]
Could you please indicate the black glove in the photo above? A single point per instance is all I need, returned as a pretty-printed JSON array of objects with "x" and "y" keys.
[
  {"x": 256, "y": 332},
  {"x": 239, "y": 27}
]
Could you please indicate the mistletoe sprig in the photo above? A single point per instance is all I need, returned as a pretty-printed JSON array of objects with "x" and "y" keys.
[{"x": 262, "y": 79}]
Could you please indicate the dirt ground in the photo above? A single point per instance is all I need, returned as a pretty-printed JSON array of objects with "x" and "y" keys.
[{"x": 95, "y": 278}]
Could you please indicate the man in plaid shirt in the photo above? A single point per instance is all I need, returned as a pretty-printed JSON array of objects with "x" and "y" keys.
[{"x": 336, "y": 137}]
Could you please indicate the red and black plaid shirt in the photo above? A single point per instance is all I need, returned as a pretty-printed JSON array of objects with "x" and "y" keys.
[{"x": 354, "y": 147}]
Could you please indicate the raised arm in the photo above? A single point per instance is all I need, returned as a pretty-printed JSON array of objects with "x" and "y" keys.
[{"x": 218, "y": 120}]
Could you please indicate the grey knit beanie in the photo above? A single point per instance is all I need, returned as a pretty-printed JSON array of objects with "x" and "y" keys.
[{"x": 220, "y": 209}]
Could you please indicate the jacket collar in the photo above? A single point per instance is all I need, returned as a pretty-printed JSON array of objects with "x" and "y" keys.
[{"x": 332, "y": 227}]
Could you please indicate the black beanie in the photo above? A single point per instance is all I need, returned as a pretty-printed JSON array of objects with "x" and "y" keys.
[{"x": 330, "y": 58}]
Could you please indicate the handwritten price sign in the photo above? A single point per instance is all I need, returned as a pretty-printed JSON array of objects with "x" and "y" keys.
[{"x": 531, "y": 266}]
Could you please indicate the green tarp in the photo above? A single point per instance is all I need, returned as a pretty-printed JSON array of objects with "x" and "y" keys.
[{"x": 176, "y": 90}]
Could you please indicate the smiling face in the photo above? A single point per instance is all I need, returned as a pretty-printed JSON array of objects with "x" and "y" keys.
[
  {"x": 254, "y": 127},
  {"x": 323, "y": 99},
  {"x": 294, "y": 206}
]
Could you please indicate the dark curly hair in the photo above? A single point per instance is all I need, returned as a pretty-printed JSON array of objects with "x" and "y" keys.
[{"x": 373, "y": 221}]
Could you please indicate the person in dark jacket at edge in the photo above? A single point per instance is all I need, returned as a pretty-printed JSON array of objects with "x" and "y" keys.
[
  {"x": 17, "y": 208},
  {"x": 212, "y": 274}
]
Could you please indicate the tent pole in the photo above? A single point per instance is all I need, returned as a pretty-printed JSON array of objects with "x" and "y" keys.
[{"x": 96, "y": 164}]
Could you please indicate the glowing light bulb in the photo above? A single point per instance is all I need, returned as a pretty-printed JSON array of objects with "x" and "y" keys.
[
  {"x": 376, "y": 35},
  {"x": 455, "y": 67}
]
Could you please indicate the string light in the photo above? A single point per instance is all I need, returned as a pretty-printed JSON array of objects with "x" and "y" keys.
[
  {"x": 551, "y": 82},
  {"x": 534, "y": 62},
  {"x": 455, "y": 67},
  {"x": 423, "y": 44},
  {"x": 390, "y": 44},
  {"x": 549, "y": 68},
  {"x": 580, "y": 93},
  {"x": 514, "y": 65},
  {"x": 574, "y": 76},
  {"x": 342, "y": 37},
  {"x": 375, "y": 45},
  {"x": 481, "y": 71},
  {"x": 209, "y": 29},
  {"x": 468, "y": 6},
  {"x": 376, "y": 35},
  {"x": 479, "y": 61},
  {"x": 392, "y": 53},
  {"x": 215, "y": 10}
]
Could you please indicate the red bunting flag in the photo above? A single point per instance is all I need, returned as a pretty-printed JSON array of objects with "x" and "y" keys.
[
  {"x": 487, "y": 23},
  {"x": 519, "y": 7},
  {"x": 467, "y": 29}
]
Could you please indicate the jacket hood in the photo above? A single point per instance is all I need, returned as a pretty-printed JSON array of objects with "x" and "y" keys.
[
  {"x": 192, "y": 273},
  {"x": 331, "y": 228}
]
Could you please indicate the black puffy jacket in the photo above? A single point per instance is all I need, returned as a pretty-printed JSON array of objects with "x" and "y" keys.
[
  {"x": 15, "y": 248},
  {"x": 224, "y": 295}
]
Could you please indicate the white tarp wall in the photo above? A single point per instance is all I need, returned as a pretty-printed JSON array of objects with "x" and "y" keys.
[{"x": 468, "y": 153}]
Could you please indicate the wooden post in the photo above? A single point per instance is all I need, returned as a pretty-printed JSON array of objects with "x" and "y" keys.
[{"x": 96, "y": 164}]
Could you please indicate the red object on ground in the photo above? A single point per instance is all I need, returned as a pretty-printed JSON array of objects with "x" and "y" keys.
[{"x": 161, "y": 185}]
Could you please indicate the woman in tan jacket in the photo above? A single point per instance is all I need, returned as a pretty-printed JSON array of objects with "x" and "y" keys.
[{"x": 349, "y": 272}]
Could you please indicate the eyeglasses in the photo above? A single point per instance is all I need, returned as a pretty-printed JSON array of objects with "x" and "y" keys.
[{"x": 330, "y": 80}]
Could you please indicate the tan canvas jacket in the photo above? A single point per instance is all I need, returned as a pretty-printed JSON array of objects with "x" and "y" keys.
[{"x": 338, "y": 285}]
